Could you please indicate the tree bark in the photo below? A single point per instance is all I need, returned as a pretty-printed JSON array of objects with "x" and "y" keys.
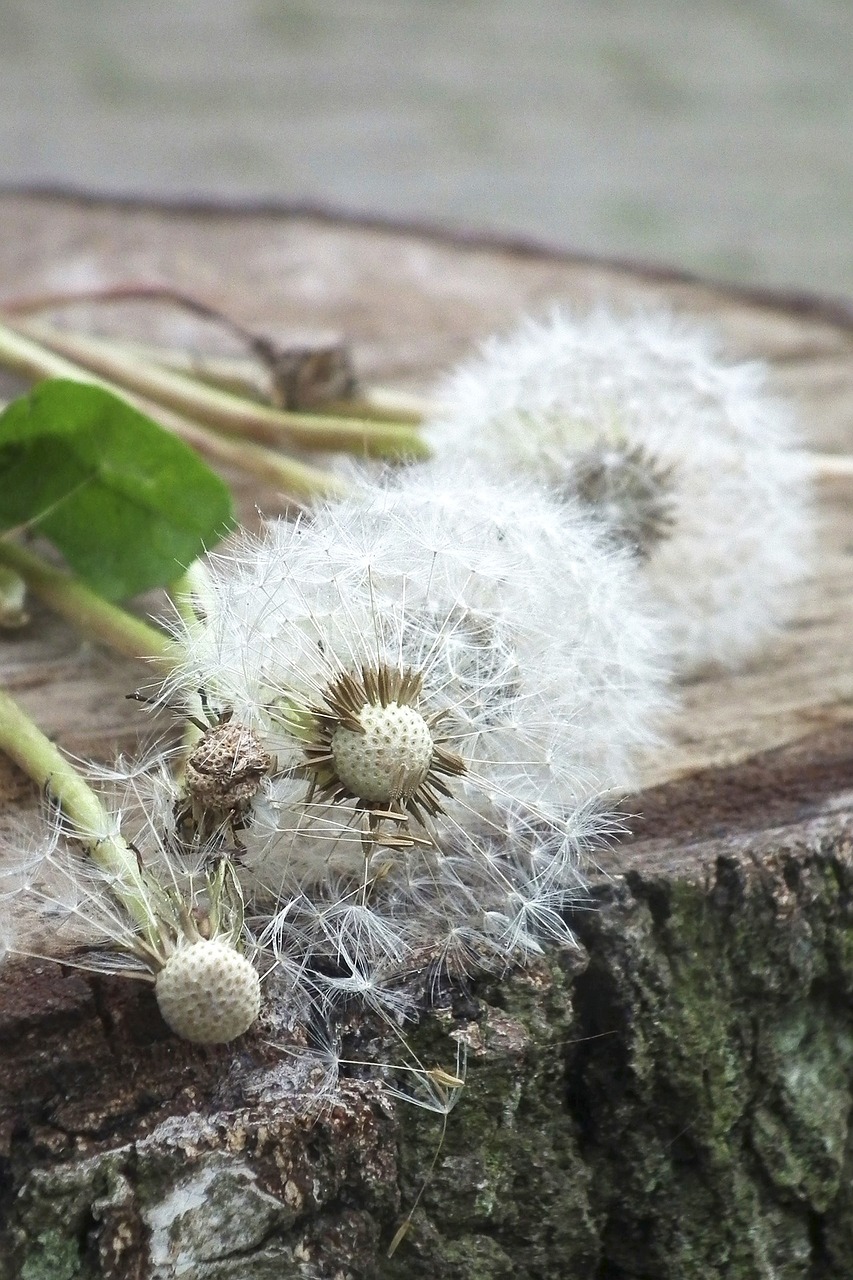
[{"x": 672, "y": 1100}]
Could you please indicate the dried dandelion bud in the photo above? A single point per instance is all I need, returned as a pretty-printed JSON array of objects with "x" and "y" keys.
[
  {"x": 225, "y": 768},
  {"x": 208, "y": 992}
]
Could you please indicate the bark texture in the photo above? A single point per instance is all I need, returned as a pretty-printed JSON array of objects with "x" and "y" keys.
[{"x": 670, "y": 1101}]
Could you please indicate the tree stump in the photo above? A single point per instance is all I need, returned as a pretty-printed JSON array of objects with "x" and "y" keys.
[{"x": 672, "y": 1100}]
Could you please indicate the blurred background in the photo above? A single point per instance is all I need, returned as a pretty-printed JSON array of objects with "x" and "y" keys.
[{"x": 716, "y": 136}]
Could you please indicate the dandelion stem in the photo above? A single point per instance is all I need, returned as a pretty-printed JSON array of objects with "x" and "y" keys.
[
  {"x": 88, "y": 611},
  {"x": 24, "y": 742},
  {"x": 384, "y": 405},
  {"x": 189, "y": 587},
  {"x": 222, "y": 410},
  {"x": 184, "y": 590},
  {"x": 13, "y": 599},
  {"x": 831, "y": 466},
  {"x": 294, "y": 478},
  {"x": 245, "y": 378},
  {"x": 239, "y": 375},
  {"x": 35, "y": 361}
]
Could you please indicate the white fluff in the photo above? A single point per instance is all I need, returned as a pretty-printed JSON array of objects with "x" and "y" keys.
[
  {"x": 191, "y": 947},
  {"x": 541, "y": 679},
  {"x": 482, "y": 903},
  {"x": 528, "y": 629},
  {"x": 540, "y": 671},
  {"x": 530, "y": 402}
]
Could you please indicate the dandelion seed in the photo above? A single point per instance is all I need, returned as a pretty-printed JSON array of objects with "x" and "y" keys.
[{"x": 207, "y": 989}]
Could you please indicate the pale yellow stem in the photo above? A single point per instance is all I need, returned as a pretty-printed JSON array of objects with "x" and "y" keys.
[
  {"x": 25, "y": 743},
  {"x": 245, "y": 378},
  {"x": 832, "y": 466},
  {"x": 192, "y": 586},
  {"x": 296, "y": 479},
  {"x": 35, "y": 361},
  {"x": 89, "y": 612},
  {"x": 13, "y": 600},
  {"x": 224, "y": 411},
  {"x": 388, "y": 405}
]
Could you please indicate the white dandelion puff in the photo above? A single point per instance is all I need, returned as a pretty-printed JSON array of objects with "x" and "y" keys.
[
  {"x": 687, "y": 458},
  {"x": 425, "y": 656},
  {"x": 173, "y": 921},
  {"x": 432, "y": 683}
]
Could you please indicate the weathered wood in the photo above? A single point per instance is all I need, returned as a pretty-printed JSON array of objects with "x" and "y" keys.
[{"x": 672, "y": 1101}]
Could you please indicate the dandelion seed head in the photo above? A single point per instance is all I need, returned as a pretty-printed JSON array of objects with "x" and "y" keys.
[
  {"x": 727, "y": 537},
  {"x": 628, "y": 490},
  {"x": 208, "y": 993},
  {"x": 387, "y": 757},
  {"x": 424, "y": 654},
  {"x": 153, "y": 909},
  {"x": 443, "y": 674}
]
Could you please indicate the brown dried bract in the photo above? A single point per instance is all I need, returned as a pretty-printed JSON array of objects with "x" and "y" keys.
[
  {"x": 224, "y": 772},
  {"x": 629, "y": 489}
]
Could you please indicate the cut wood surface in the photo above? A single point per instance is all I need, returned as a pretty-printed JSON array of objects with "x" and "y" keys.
[{"x": 678, "y": 1108}]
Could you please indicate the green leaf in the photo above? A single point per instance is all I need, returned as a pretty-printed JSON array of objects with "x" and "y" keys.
[{"x": 127, "y": 503}]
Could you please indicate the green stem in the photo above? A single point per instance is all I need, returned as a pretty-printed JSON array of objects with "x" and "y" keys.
[
  {"x": 87, "y": 611},
  {"x": 383, "y": 405},
  {"x": 13, "y": 600},
  {"x": 21, "y": 739},
  {"x": 295, "y": 478},
  {"x": 34, "y": 361},
  {"x": 191, "y": 585},
  {"x": 245, "y": 378},
  {"x": 226, "y": 412},
  {"x": 236, "y": 374}
]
